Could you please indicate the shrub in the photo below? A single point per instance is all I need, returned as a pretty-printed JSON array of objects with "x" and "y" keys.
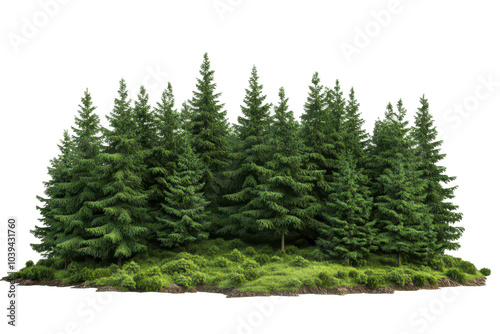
[
  {"x": 250, "y": 264},
  {"x": 432, "y": 280},
  {"x": 373, "y": 282},
  {"x": 250, "y": 251},
  {"x": 419, "y": 279},
  {"x": 291, "y": 250},
  {"x": 455, "y": 275},
  {"x": 387, "y": 262},
  {"x": 180, "y": 266},
  {"x": 449, "y": 261},
  {"x": 399, "y": 277},
  {"x": 266, "y": 250},
  {"x": 128, "y": 283},
  {"x": 311, "y": 281},
  {"x": 78, "y": 273},
  {"x": 236, "y": 255},
  {"x": 436, "y": 263},
  {"x": 327, "y": 278},
  {"x": 369, "y": 272},
  {"x": 42, "y": 273},
  {"x": 485, "y": 271},
  {"x": 236, "y": 278},
  {"x": 215, "y": 279},
  {"x": 468, "y": 267},
  {"x": 251, "y": 274},
  {"x": 45, "y": 262},
  {"x": 276, "y": 258},
  {"x": 102, "y": 272},
  {"x": 153, "y": 283},
  {"x": 29, "y": 264},
  {"x": 362, "y": 279},
  {"x": 154, "y": 271},
  {"x": 262, "y": 259},
  {"x": 183, "y": 280},
  {"x": 299, "y": 261},
  {"x": 342, "y": 274},
  {"x": 353, "y": 273},
  {"x": 214, "y": 250},
  {"x": 314, "y": 254},
  {"x": 359, "y": 263},
  {"x": 59, "y": 264},
  {"x": 199, "y": 278},
  {"x": 201, "y": 261},
  {"x": 131, "y": 267},
  {"x": 221, "y": 262},
  {"x": 293, "y": 283},
  {"x": 236, "y": 243}
]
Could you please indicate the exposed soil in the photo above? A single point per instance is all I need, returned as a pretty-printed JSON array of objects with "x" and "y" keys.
[{"x": 233, "y": 293}]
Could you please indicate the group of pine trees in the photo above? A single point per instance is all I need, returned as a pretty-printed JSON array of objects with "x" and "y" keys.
[{"x": 159, "y": 177}]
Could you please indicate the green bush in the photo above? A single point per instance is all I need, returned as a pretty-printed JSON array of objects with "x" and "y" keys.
[
  {"x": 215, "y": 279},
  {"x": 373, "y": 282},
  {"x": 449, "y": 261},
  {"x": 327, "y": 279},
  {"x": 37, "y": 272},
  {"x": 251, "y": 274},
  {"x": 153, "y": 283},
  {"x": 485, "y": 271},
  {"x": 299, "y": 261},
  {"x": 102, "y": 272},
  {"x": 291, "y": 250},
  {"x": 236, "y": 255},
  {"x": 455, "y": 275},
  {"x": 131, "y": 267},
  {"x": 236, "y": 278},
  {"x": 29, "y": 264},
  {"x": 359, "y": 263},
  {"x": 432, "y": 280},
  {"x": 419, "y": 279},
  {"x": 342, "y": 274},
  {"x": 180, "y": 266},
  {"x": 250, "y": 264},
  {"x": 468, "y": 267},
  {"x": 293, "y": 283},
  {"x": 236, "y": 243},
  {"x": 154, "y": 271},
  {"x": 276, "y": 258},
  {"x": 362, "y": 279},
  {"x": 436, "y": 263},
  {"x": 262, "y": 259},
  {"x": 369, "y": 272},
  {"x": 353, "y": 273},
  {"x": 250, "y": 251},
  {"x": 399, "y": 277},
  {"x": 311, "y": 281},
  {"x": 128, "y": 283},
  {"x": 312, "y": 253},
  {"x": 199, "y": 278},
  {"x": 214, "y": 250},
  {"x": 221, "y": 262},
  {"x": 183, "y": 280},
  {"x": 77, "y": 273}
]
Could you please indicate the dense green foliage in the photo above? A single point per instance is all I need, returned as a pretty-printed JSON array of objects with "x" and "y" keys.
[{"x": 161, "y": 180}]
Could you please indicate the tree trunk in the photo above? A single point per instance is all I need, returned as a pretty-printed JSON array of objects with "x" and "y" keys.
[
  {"x": 120, "y": 262},
  {"x": 399, "y": 260},
  {"x": 283, "y": 241},
  {"x": 65, "y": 264}
]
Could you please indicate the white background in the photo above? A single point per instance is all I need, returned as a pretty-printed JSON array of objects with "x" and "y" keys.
[{"x": 51, "y": 50}]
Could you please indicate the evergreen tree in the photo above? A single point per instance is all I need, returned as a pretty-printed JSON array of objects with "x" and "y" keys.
[
  {"x": 185, "y": 217},
  {"x": 356, "y": 138},
  {"x": 347, "y": 232},
  {"x": 287, "y": 191},
  {"x": 252, "y": 131},
  {"x": 209, "y": 130},
  {"x": 436, "y": 195},
  {"x": 60, "y": 172},
  {"x": 121, "y": 229},
  {"x": 165, "y": 150},
  {"x": 82, "y": 186}
]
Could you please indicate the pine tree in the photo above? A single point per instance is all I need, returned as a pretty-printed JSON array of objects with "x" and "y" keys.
[
  {"x": 185, "y": 217},
  {"x": 252, "y": 131},
  {"x": 165, "y": 150},
  {"x": 287, "y": 191},
  {"x": 60, "y": 172},
  {"x": 83, "y": 186},
  {"x": 356, "y": 138},
  {"x": 399, "y": 212},
  {"x": 209, "y": 130},
  {"x": 313, "y": 130},
  {"x": 347, "y": 231},
  {"x": 436, "y": 195},
  {"x": 120, "y": 231}
]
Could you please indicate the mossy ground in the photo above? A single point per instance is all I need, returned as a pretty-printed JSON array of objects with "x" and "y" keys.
[{"x": 234, "y": 264}]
